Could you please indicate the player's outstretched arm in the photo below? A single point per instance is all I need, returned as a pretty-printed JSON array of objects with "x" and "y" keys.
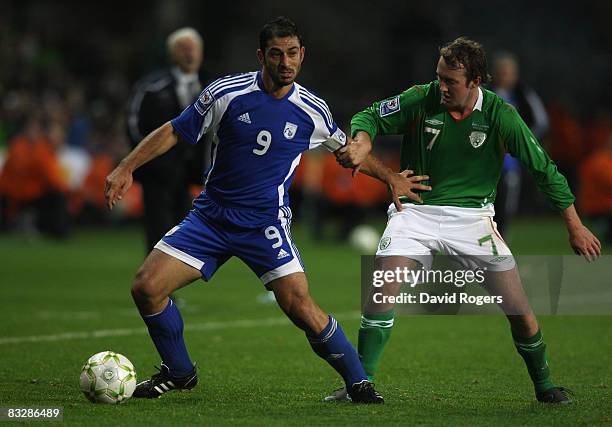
[
  {"x": 353, "y": 154},
  {"x": 399, "y": 184},
  {"x": 582, "y": 241},
  {"x": 120, "y": 179}
]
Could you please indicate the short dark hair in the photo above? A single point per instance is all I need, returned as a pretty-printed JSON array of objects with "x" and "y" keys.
[
  {"x": 470, "y": 54},
  {"x": 278, "y": 27}
]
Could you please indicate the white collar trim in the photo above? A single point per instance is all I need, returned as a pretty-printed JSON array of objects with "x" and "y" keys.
[{"x": 478, "y": 105}]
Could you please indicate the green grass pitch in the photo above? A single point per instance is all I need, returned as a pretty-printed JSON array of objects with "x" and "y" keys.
[{"x": 257, "y": 369}]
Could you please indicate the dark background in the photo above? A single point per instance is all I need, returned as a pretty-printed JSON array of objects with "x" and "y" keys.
[
  {"x": 54, "y": 54},
  {"x": 356, "y": 52}
]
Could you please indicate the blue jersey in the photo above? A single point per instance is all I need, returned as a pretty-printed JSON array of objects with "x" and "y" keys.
[{"x": 257, "y": 140}]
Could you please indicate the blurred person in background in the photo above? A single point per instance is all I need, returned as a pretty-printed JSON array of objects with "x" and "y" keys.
[
  {"x": 33, "y": 184},
  {"x": 507, "y": 84},
  {"x": 79, "y": 126},
  {"x": 348, "y": 200},
  {"x": 595, "y": 194},
  {"x": 158, "y": 98},
  {"x": 333, "y": 201},
  {"x": 106, "y": 146},
  {"x": 567, "y": 138}
]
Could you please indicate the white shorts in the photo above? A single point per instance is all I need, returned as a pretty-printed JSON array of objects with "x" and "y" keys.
[{"x": 468, "y": 235}]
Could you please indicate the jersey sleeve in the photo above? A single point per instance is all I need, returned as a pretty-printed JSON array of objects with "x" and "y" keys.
[
  {"x": 326, "y": 132},
  {"x": 391, "y": 116},
  {"x": 332, "y": 141},
  {"x": 197, "y": 118},
  {"x": 521, "y": 143}
]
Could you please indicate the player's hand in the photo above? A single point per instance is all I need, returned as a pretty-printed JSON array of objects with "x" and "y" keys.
[
  {"x": 353, "y": 154},
  {"x": 116, "y": 185},
  {"x": 403, "y": 184},
  {"x": 584, "y": 243}
]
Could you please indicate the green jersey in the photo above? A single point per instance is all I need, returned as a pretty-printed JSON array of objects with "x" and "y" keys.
[{"x": 463, "y": 158}]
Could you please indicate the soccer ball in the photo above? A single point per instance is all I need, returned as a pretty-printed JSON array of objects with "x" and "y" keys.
[
  {"x": 108, "y": 377},
  {"x": 364, "y": 238}
]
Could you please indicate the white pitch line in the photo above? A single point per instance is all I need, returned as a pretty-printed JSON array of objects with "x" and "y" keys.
[{"x": 206, "y": 326}]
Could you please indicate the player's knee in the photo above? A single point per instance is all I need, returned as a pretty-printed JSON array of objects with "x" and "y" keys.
[{"x": 145, "y": 288}]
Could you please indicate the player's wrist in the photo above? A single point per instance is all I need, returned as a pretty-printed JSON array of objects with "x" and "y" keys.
[
  {"x": 574, "y": 226},
  {"x": 572, "y": 220},
  {"x": 363, "y": 138},
  {"x": 126, "y": 165},
  {"x": 573, "y": 229},
  {"x": 388, "y": 176}
]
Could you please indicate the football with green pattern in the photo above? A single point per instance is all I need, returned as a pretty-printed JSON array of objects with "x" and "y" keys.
[{"x": 108, "y": 377}]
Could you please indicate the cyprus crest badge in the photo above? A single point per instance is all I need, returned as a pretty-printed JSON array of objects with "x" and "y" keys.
[
  {"x": 290, "y": 130},
  {"x": 477, "y": 138}
]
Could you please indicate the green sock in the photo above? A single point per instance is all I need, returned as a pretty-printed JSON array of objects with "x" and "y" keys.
[
  {"x": 374, "y": 333},
  {"x": 533, "y": 352}
]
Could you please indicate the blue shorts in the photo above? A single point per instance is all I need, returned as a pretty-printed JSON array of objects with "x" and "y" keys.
[{"x": 206, "y": 239}]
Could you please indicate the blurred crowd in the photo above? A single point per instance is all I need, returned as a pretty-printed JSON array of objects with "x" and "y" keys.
[{"x": 62, "y": 132}]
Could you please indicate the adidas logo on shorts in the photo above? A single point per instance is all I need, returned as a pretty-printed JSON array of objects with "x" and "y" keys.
[{"x": 282, "y": 254}]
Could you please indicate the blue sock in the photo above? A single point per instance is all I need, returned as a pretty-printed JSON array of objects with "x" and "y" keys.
[
  {"x": 331, "y": 344},
  {"x": 166, "y": 330}
]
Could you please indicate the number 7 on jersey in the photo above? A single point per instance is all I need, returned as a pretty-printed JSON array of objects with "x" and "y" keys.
[{"x": 436, "y": 133}]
